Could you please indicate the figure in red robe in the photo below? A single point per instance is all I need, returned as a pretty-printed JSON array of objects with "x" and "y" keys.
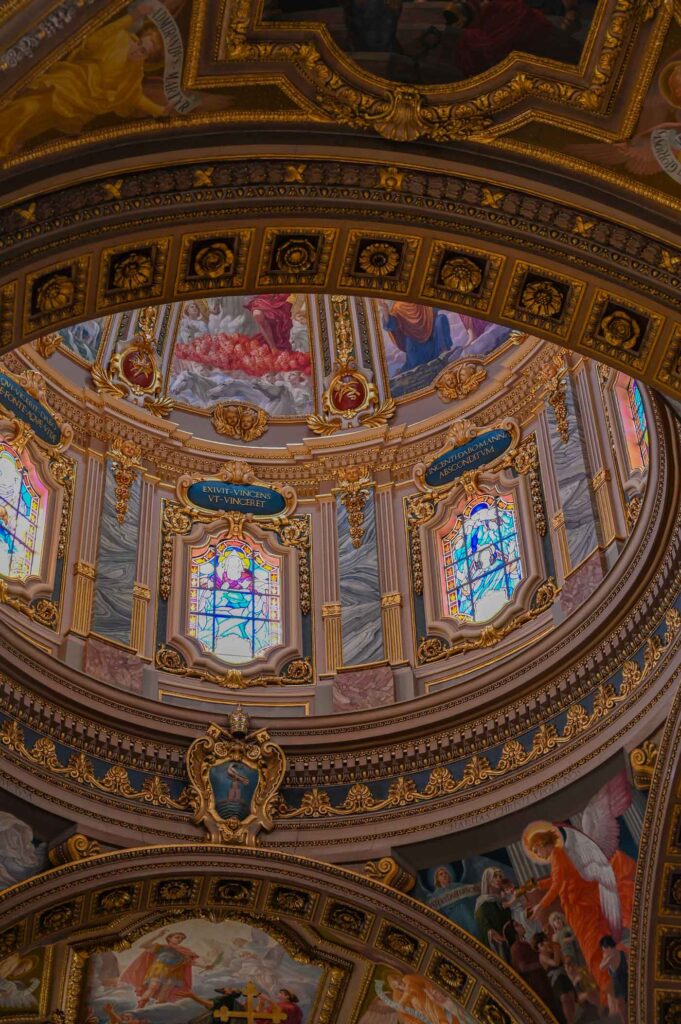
[
  {"x": 163, "y": 972},
  {"x": 287, "y": 1002},
  {"x": 479, "y": 34},
  {"x": 593, "y": 892},
  {"x": 273, "y": 315}
]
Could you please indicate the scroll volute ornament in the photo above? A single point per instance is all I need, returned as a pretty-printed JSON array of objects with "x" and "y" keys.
[{"x": 234, "y": 781}]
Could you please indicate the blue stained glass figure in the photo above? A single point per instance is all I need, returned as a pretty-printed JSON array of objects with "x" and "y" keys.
[
  {"x": 22, "y": 506},
  {"x": 481, "y": 558},
  {"x": 639, "y": 418},
  {"x": 234, "y": 602}
]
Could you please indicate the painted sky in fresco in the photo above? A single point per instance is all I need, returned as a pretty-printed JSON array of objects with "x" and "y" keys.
[
  {"x": 244, "y": 349},
  {"x": 83, "y": 339},
  {"x": 419, "y": 341},
  {"x": 183, "y": 972}
]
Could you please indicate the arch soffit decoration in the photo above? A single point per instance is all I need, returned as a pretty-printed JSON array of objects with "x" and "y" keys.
[
  {"x": 133, "y": 237},
  {"x": 354, "y": 914},
  {"x": 655, "y": 985},
  {"x": 130, "y": 232}
]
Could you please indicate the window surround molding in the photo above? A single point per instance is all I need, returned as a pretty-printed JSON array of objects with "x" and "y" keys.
[
  {"x": 37, "y": 459},
  {"x": 198, "y": 660},
  {"x": 633, "y": 480},
  {"x": 439, "y": 622}
]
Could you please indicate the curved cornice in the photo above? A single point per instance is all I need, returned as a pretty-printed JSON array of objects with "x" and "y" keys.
[
  {"x": 462, "y": 753},
  {"x": 169, "y": 451},
  {"x": 599, "y": 259},
  {"x": 61, "y": 906}
]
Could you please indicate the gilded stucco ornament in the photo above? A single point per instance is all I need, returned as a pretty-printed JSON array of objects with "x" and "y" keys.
[
  {"x": 460, "y": 379},
  {"x": 169, "y": 659},
  {"x": 433, "y": 648},
  {"x": 43, "y": 611},
  {"x": 240, "y": 421},
  {"x": 124, "y": 455},
  {"x": 643, "y": 760},
  {"x": 542, "y": 298},
  {"x": 48, "y": 344},
  {"x": 234, "y": 780},
  {"x": 620, "y": 329},
  {"x": 57, "y": 293},
  {"x": 348, "y": 94},
  {"x": 465, "y": 471},
  {"x": 80, "y": 769},
  {"x": 135, "y": 373},
  {"x": 350, "y": 399},
  {"x": 213, "y": 260},
  {"x": 132, "y": 272},
  {"x": 23, "y": 397},
  {"x": 76, "y": 847},
  {"x": 390, "y": 873},
  {"x": 236, "y": 492},
  {"x": 555, "y": 382},
  {"x": 354, "y": 491},
  {"x": 460, "y": 275}
]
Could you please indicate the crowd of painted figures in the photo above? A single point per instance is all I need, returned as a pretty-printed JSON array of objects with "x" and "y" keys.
[{"x": 565, "y": 927}]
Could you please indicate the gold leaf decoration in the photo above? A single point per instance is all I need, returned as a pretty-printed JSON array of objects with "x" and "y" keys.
[{"x": 243, "y": 422}]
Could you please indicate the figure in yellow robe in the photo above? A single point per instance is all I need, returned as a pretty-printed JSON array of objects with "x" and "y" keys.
[{"x": 104, "y": 75}]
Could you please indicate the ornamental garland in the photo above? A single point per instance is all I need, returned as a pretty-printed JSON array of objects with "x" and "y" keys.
[
  {"x": 79, "y": 768},
  {"x": 403, "y": 791}
]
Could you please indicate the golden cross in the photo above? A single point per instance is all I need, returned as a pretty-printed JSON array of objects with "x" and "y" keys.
[{"x": 250, "y": 1014}]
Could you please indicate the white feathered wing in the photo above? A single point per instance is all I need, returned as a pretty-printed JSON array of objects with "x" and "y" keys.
[
  {"x": 594, "y": 866},
  {"x": 593, "y": 839}
]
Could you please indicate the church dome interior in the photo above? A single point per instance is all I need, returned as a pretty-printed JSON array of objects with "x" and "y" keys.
[{"x": 340, "y": 512}]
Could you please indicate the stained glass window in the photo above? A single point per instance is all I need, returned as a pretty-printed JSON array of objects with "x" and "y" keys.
[
  {"x": 23, "y": 498},
  {"x": 481, "y": 558},
  {"x": 235, "y": 599},
  {"x": 634, "y": 422}
]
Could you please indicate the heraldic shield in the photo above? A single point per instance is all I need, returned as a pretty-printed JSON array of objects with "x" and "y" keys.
[{"x": 234, "y": 779}]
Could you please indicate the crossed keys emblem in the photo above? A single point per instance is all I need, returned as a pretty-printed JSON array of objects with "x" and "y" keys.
[{"x": 250, "y": 1014}]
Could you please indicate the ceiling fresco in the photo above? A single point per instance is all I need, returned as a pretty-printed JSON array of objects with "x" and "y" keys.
[
  {"x": 557, "y": 903},
  {"x": 340, "y": 532},
  {"x": 439, "y": 41},
  {"x": 271, "y": 352},
  {"x": 514, "y": 78},
  {"x": 174, "y": 977}
]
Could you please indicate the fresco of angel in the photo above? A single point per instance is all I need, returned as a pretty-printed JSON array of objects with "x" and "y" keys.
[
  {"x": 19, "y": 983},
  {"x": 593, "y": 881},
  {"x": 656, "y": 146},
  {"x": 408, "y": 999}
]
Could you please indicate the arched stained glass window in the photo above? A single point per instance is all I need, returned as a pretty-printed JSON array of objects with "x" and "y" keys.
[
  {"x": 23, "y": 499},
  {"x": 634, "y": 422},
  {"x": 235, "y": 599},
  {"x": 481, "y": 558}
]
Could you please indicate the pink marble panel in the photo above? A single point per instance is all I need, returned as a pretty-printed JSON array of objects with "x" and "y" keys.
[
  {"x": 582, "y": 583},
  {"x": 363, "y": 688},
  {"x": 114, "y": 665}
]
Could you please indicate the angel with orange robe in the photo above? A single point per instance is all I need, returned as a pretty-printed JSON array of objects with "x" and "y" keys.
[
  {"x": 591, "y": 878},
  {"x": 411, "y": 999}
]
